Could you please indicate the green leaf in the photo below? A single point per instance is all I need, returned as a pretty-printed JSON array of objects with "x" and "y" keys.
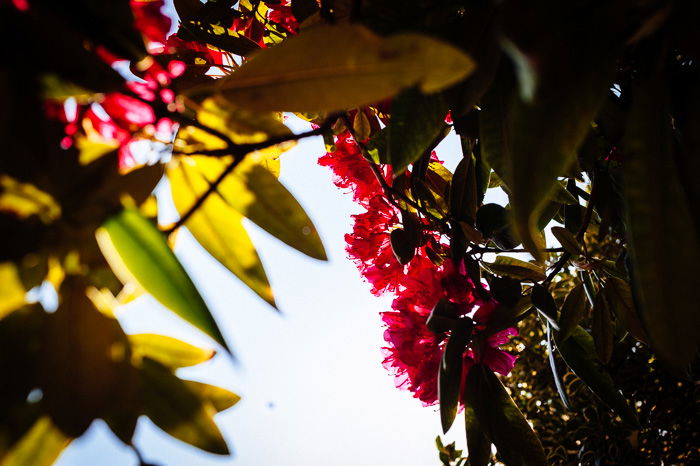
[
  {"x": 169, "y": 351},
  {"x": 478, "y": 444},
  {"x": 579, "y": 354},
  {"x": 602, "y": 330},
  {"x": 572, "y": 311},
  {"x": 665, "y": 283},
  {"x": 555, "y": 373},
  {"x": 463, "y": 190},
  {"x": 216, "y": 225},
  {"x": 328, "y": 68},
  {"x": 409, "y": 137},
  {"x": 619, "y": 296},
  {"x": 133, "y": 246},
  {"x": 501, "y": 420},
  {"x": 220, "y": 398},
  {"x": 175, "y": 407},
  {"x": 567, "y": 240},
  {"x": 40, "y": 446},
  {"x": 514, "y": 268},
  {"x": 543, "y": 301}
]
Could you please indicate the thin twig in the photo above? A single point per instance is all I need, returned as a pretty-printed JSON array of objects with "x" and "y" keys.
[{"x": 479, "y": 250}]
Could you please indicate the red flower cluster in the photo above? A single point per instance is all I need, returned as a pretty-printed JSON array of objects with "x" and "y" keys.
[{"x": 413, "y": 353}]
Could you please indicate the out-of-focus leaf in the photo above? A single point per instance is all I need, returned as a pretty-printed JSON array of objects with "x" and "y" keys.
[
  {"x": 329, "y": 68},
  {"x": 567, "y": 240},
  {"x": 25, "y": 200},
  {"x": 572, "y": 311},
  {"x": 514, "y": 268},
  {"x": 131, "y": 243},
  {"x": 478, "y": 444},
  {"x": 38, "y": 447},
  {"x": 176, "y": 408},
  {"x": 169, "y": 351},
  {"x": 501, "y": 420},
  {"x": 220, "y": 398},
  {"x": 579, "y": 354},
  {"x": 222, "y": 37},
  {"x": 257, "y": 194},
  {"x": 216, "y": 225},
  {"x": 543, "y": 301},
  {"x": 11, "y": 290},
  {"x": 664, "y": 283},
  {"x": 409, "y": 138},
  {"x": 84, "y": 356}
]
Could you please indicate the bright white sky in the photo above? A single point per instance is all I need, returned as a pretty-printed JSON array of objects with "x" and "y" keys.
[{"x": 313, "y": 390}]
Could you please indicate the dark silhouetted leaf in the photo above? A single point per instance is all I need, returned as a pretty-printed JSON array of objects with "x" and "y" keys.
[
  {"x": 543, "y": 301},
  {"x": 567, "y": 240},
  {"x": 514, "y": 268},
  {"x": 450, "y": 375},
  {"x": 602, "y": 328},
  {"x": 572, "y": 311},
  {"x": 478, "y": 444}
]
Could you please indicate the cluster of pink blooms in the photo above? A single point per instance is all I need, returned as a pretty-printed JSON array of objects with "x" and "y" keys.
[{"x": 414, "y": 352}]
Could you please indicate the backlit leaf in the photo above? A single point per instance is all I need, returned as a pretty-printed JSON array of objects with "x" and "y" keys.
[
  {"x": 176, "y": 408},
  {"x": 11, "y": 290},
  {"x": 220, "y": 398},
  {"x": 567, "y": 240},
  {"x": 131, "y": 242},
  {"x": 579, "y": 353},
  {"x": 478, "y": 445},
  {"x": 572, "y": 311},
  {"x": 216, "y": 225},
  {"x": 169, "y": 351},
  {"x": 343, "y": 66},
  {"x": 515, "y": 268},
  {"x": 501, "y": 420}
]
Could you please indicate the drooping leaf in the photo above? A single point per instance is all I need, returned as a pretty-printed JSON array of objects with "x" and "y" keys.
[
  {"x": 567, "y": 240},
  {"x": 216, "y": 225},
  {"x": 619, "y": 296},
  {"x": 558, "y": 382},
  {"x": 409, "y": 138},
  {"x": 664, "y": 283},
  {"x": 544, "y": 302},
  {"x": 572, "y": 311},
  {"x": 602, "y": 330},
  {"x": 132, "y": 244},
  {"x": 169, "y": 351},
  {"x": 178, "y": 409},
  {"x": 450, "y": 375},
  {"x": 463, "y": 190},
  {"x": 478, "y": 444},
  {"x": 343, "y": 66},
  {"x": 515, "y": 268},
  {"x": 40, "y": 446},
  {"x": 501, "y": 420},
  {"x": 579, "y": 353}
]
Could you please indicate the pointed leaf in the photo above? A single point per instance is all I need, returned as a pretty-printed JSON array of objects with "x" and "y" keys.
[
  {"x": 478, "y": 444},
  {"x": 220, "y": 398},
  {"x": 450, "y": 375},
  {"x": 176, "y": 408},
  {"x": 501, "y": 420},
  {"x": 579, "y": 354},
  {"x": 217, "y": 226},
  {"x": 257, "y": 194},
  {"x": 619, "y": 296},
  {"x": 572, "y": 311},
  {"x": 514, "y": 268},
  {"x": 567, "y": 240},
  {"x": 327, "y": 68},
  {"x": 409, "y": 138},
  {"x": 602, "y": 328},
  {"x": 543, "y": 301},
  {"x": 131, "y": 242},
  {"x": 169, "y": 351}
]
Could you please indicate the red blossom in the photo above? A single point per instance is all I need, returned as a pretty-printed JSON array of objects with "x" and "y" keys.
[{"x": 150, "y": 21}]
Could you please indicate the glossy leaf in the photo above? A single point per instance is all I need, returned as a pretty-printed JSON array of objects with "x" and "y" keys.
[
  {"x": 216, "y": 225},
  {"x": 572, "y": 311},
  {"x": 579, "y": 353},
  {"x": 515, "y": 268},
  {"x": 40, "y": 446},
  {"x": 132, "y": 244},
  {"x": 501, "y": 420},
  {"x": 409, "y": 138},
  {"x": 176, "y": 408},
  {"x": 169, "y": 351},
  {"x": 342, "y": 66}
]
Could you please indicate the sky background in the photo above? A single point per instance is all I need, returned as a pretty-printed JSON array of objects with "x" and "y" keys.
[{"x": 314, "y": 392}]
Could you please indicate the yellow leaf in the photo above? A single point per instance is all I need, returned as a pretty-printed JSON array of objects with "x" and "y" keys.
[
  {"x": 40, "y": 446},
  {"x": 11, "y": 290},
  {"x": 219, "y": 397},
  {"x": 169, "y": 351},
  {"x": 217, "y": 226},
  {"x": 328, "y": 68},
  {"x": 25, "y": 200}
]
